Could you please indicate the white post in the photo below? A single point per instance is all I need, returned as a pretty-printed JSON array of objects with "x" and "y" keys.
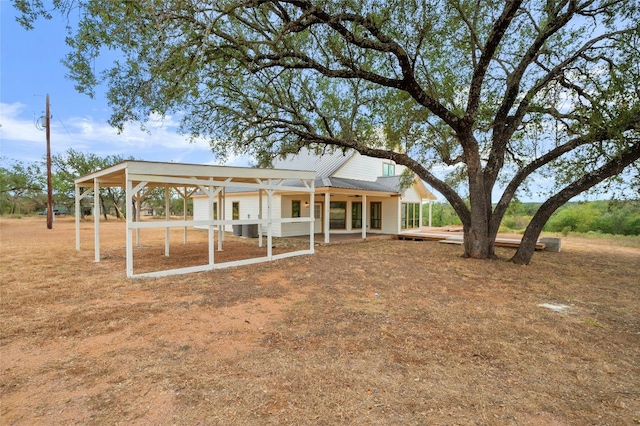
[
  {"x": 96, "y": 219},
  {"x": 219, "y": 217},
  {"x": 327, "y": 202},
  {"x": 129, "y": 219},
  {"x": 364, "y": 217},
  {"x": 223, "y": 206},
  {"x": 269, "y": 218},
  {"x": 167, "y": 214},
  {"x": 430, "y": 204},
  {"x": 312, "y": 215},
  {"x": 210, "y": 230},
  {"x": 77, "y": 205},
  {"x": 184, "y": 212},
  {"x": 138, "y": 213},
  {"x": 260, "y": 192}
]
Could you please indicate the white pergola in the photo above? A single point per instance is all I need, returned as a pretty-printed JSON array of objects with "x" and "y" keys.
[{"x": 139, "y": 177}]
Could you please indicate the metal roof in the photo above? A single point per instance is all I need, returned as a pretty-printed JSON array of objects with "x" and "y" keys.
[
  {"x": 336, "y": 183},
  {"x": 360, "y": 185},
  {"x": 175, "y": 172},
  {"x": 324, "y": 164}
]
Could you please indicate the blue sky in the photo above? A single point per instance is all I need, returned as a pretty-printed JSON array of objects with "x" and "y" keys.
[{"x": 30, "y": 67}]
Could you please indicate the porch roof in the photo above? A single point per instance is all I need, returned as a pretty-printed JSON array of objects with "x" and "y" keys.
[
  {"x": 338, "y": 183},
  {"x": 115, "y": 176}
]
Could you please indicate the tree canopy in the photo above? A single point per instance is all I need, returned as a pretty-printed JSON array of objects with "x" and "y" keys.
[
  {"x": 476, "y": 98},
  {"x": 21, "y": 184}
]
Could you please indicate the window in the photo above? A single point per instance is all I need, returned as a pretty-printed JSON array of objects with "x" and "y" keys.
[
  {"x": 235, "y": 210},
  {"x": 388, "y": 169},
  {"x": 376, "y": 215},
  {"x": 215, "y": 210},
  {"x": 295, "y": 208},
  {"x": 410, "y": 215},
  {"x": 356, "y": 215},
  {"x": 337, "y": 215}
]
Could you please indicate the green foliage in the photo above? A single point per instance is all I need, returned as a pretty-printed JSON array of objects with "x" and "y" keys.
[
  {"x": 73, "y": 164},
  {"x": 22, "y": 187},
  {"x": 607, "y": 217},
  {"x": 442, "y": 214}
]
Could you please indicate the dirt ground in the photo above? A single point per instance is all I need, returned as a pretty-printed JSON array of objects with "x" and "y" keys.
[{"x": 382, "y": 332}]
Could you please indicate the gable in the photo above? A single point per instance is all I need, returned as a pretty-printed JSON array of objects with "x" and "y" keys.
[
  {"x": 361, "y": 167},
  {"x": 324, "y": 165}
]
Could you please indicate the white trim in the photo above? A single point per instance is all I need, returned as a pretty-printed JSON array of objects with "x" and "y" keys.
[
  {"x": 129, "y": 192},
  {"x": 96, "y": 220}
]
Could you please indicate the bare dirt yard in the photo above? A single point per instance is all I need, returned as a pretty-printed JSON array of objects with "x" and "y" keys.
[{"x": 382, "y": 332}]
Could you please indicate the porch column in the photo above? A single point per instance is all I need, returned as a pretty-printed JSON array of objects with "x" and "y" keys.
[
  {"x": 96, "y": 219},
  {"x": 269, "y": 219},
  {"x": 77, "y": 218},
  {"x": 312, "y": 213},
  {"x": 167, "y": 215},
  {"x": 223, "y": 205},
  {"x": 128, "y": 193},
  {"x": 260, "y": 192},
  {"x": 211, "y": 234},
  {"x": 184, "y": 212},
  {"x": 327, "y": 202},
  {"x": 220, "y": 216},
  {"x": 138, "y": 213},
  {"x": 364, "y": 217},
  {"x": 430, "y": 204}
]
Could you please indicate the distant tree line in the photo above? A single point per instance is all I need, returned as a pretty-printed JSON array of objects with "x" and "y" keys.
[
  {"x": 23, "y": 189},
  {"x": 616, "y": 217}
]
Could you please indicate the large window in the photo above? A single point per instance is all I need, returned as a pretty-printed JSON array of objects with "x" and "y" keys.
[
  {"x": 410, "y": 215},
  {"x": 356, "y": 215},
  {"x": 337, "y": 215},
  {"x": 388, "y": 169},
  {"x": 376, "y": 215},
  {"x": 295, "y": 208},
  {"x": 235, "y": 210}
]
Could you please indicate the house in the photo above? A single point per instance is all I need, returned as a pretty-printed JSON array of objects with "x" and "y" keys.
[{"x": 353, "y": 194}]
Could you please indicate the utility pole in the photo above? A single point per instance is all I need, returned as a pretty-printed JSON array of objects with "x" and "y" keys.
[{"x": 49, "y": 186}]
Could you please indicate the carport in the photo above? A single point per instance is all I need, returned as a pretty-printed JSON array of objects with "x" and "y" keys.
[{"x": 139, "y": 177}]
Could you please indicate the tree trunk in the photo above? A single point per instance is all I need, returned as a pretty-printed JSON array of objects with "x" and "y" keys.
[
  {"x": 119, "y": 213},
  {"x": 104, "y": 208},
  {"x": 134, "y": 216},
  {"x": 527, "y": 246},
  {"x": 613, "y": 167},
  {"x": 477, "y": 244}
]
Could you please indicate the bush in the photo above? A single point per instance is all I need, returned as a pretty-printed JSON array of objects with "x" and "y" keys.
[{"x": 607, "y": 217}]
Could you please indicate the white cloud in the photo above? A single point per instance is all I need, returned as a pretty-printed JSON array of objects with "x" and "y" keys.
[{"x": 21, "y": 139}]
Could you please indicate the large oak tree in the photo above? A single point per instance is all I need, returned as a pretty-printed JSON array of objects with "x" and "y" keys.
[{"x": 478, "y": 98}]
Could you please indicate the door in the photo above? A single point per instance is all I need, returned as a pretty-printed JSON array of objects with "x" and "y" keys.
[
  {"x": 317, "y": 214},
  {"x": 376, "y": 215}
]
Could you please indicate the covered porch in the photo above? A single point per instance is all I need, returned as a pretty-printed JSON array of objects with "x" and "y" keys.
[{"x": 137, "y": 178}]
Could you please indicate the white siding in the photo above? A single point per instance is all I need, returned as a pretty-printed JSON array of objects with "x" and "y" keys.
[
  {"x": 200, "y": 210},
  {"x": 364, "y": 168},
  {"x": 249, "y": 209},
  {"x": 276, "y": 213},
  {"x": 286, "y": 207},
  {"x": 411, "y": 195},
  {"x": 390, "y": 219}
]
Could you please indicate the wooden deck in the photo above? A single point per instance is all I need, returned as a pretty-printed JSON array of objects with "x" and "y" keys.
[{"x": 449, "y": 237}]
